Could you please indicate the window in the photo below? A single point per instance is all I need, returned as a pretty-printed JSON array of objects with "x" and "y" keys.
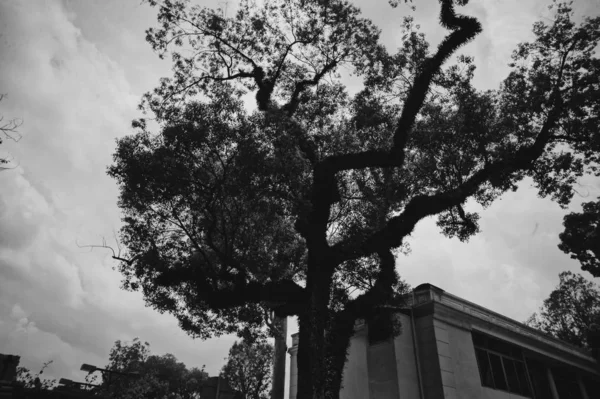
[
  {"x": 501, "y": 365},
  {"x": 485, "y": 371},
  {"x": 497, "y": 371},
  {"x": 516, "y": 376},
  {"x": 539, "y": 379},
  {"x": 591, "y": 386},
  {"x": 566, "y": 384}
]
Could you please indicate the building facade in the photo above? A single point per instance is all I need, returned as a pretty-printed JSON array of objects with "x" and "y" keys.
[{"x": 451, "y": 348}]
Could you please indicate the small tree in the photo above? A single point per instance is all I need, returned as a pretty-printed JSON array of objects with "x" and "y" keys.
[
  {"x": 248, "y": 369},
  {"x": 581, "y": 237},
  {"x": 570, "y": 311},
  {"x": 32, "y": 381}
]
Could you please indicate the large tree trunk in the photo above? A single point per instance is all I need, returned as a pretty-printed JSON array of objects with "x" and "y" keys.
[
  {"x": 279, "y": 355},
  {"x": 304, "y": 379},
  {"x": 312, "y": 370},
  {"x": 337, "y": 343},
  {"x": 329, "y": 356}
]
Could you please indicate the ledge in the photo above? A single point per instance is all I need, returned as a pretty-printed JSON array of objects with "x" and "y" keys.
[{"x": 427, "y": 293}]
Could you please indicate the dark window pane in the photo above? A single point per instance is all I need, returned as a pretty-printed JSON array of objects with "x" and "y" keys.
[
  {"x": 566, "y": 384},
  {"x": 539, "y": 379},
  {"x": 511, "y": 375},
  {"x": 567, "y": 389},
  {"x": 501, "y": 347},
  {"x": 592, "y": 387},
  {"x": 496, "y": 345},
  {"x": 479, "y": 339},
  {"x": 517, "y": 353},
  {"x": 497, "y": 371},
  {"x": 523, "y": 380},
  {"x": 485, "y": 372}
]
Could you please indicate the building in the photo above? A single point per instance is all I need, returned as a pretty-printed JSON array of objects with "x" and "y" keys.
[
  {"x": 8, "y": 374},
  {"x": 454, "y": 349},
  {"x": 218, "y": 388}
]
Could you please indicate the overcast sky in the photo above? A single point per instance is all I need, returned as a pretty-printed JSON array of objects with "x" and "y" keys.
[{"x": 74, "y": 71}]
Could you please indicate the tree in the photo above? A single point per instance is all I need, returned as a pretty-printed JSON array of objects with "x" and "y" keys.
[
  {"x": 137, "y": 374},
  {"x": 248, "y": 369},
  {"x": 8, "y": 130},
  {"x": 570, "y": 310},
  {"x": 581, "y": 237},
  {"x": 32, "y": 381},
  {"x": 302, "y": 204}
]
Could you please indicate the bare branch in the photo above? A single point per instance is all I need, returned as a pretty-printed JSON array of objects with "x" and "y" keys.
[
  {"x": 9, "y": 131},
  {"x": 115, "y": 255},
  {"x": 240, "y": 74}
]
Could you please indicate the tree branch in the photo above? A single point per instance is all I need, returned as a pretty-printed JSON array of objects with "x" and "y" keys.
[
  {"x": 464, "y": 29},
  {"x": 115, "y": 255},
  {"x": 292, "y": 105},
  {"x": 324, "y": 182},
  {"x": 283, "y": 291},
  {"x": 427, "y": 205}
]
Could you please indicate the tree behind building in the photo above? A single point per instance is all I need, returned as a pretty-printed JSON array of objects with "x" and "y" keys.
[{"x": 248, "y": 368}]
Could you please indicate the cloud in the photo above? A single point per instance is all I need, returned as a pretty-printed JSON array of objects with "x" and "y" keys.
[
  {"x": 60, "y": 302},
  {"x": 510, "y": 267}
]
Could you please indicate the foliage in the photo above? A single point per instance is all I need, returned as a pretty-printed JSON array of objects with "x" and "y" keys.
[
  {"x": 300, "y": 204},
  {"x": 141, "y": 375},
  {"x": 581, "y": 237},
  {"x": 570, "y": 310},
  {"x": 31, "y": 381},
  {"x": 248, "y": 368}
]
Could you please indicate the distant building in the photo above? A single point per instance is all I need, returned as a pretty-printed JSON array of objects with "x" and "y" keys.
[
  {"x": 451, "y": 348},
  {"x": 218, "y": 388},
  {"x": 8, "y": 374}
]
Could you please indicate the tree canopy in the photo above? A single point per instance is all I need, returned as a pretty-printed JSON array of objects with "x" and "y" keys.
[
  {"x": 300, "y": 203},
  {"x": 248, "y": 368},
  {"x": 570, "y": 310},
  {"x": 137, "y": 374},
  {"x": 581, "y": 237},
  {"x": 35, "y": 381}
]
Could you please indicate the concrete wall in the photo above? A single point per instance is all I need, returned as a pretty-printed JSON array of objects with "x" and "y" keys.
[
  {"x": 462, "y": 361},
  {"x": 355, "y": 384},
  {"x": 428, "y": 354},
  {"x": 293, "y": 351},
  {"x": 406, "y": 364},
  {"x": 447, "y": 372},
  {"x": 383, "y": 378},
  {"x": 448, "y": 363},
  {"x": 388, "y": 370}
]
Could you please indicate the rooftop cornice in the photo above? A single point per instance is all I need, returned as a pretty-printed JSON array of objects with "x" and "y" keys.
[{"x": 429, "y": 293}]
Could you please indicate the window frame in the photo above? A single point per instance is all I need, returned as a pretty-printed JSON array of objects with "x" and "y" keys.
[
  {"x": 564, "y": 378},
  {"x": 477, "y": 336}
]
